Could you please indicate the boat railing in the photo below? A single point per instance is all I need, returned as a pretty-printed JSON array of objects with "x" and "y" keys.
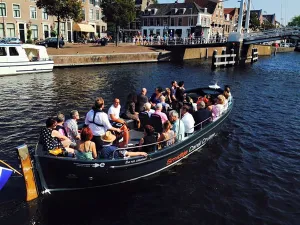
[
  {"x": 201, "y": 123},
  {"x": 141, "y": 146}
]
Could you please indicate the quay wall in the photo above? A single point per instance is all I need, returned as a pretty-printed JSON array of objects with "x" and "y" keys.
[{"x": 114, "y": 58}]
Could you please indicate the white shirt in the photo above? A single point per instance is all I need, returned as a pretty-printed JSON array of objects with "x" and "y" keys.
[
  {"x": 150, "y": 112},
  {"x": 101, "y": 118},
  {"x": 188, "y": 122},
  {"x": 115, "y": 111}
]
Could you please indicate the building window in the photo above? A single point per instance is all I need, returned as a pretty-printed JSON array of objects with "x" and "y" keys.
[
  {"x": 97, "y": 15},
  {"x": 63, "y": 29},
  {"x": 46, "y": 31},
  {"x": 16, "y": 11},
  {"x": 83, "y": 14},
  {"x": 151, "y": 23},
  {"x": 172, "y": 22},
  {"x": 92, "y": 2},
  {"x": 2, "y": 9},
  {"x": 45, "y": 14},
  {"x": 10, "y": 27},
  {"x": 34, "y": 32},
  {"x": 103, "y": 29},
  {"x": 165, "y": 21},
  {"x": 179, "y": 21},
  {"x": 1, "y": 30},
  {"x": 32, "y": 12},
  {"x": 83, "y": 1},
  {"x": 158, "y": 22},
  {"x": 97, "y": 2},
  {"x": 190, "y": 22},
  {"x": 91, "y": 14},
  {"x": 145, "y": 22}
]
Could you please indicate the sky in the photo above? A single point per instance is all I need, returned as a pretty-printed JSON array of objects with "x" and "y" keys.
[{"x": 284, "y": 14}]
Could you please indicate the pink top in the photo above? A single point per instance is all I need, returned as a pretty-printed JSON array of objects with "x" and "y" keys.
[{"x": 162, "y": 115}]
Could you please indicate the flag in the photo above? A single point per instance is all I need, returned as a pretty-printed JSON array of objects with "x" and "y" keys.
[{"x": 4, "y": 176}]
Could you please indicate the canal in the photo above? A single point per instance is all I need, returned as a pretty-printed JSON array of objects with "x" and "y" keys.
[{"x": 250, "y": 173}]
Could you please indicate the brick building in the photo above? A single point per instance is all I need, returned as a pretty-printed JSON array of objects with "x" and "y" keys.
[{"x": 17, "y": 16}]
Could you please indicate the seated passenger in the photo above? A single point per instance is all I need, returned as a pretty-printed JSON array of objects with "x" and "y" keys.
[
  {"x": 165, "y": 106},
  {"x": 110, "y": 151},
  {"x": 71, "y": 127},
  {"x": 148, "y": 139},
  {"x": 178, "y": 126},
  {"x": 155, "y": 97},
  {"x": 162, "y": 115},
  {"x": 148, "y": 109},
  {"x": 98, "y": 121},
  {"x": 168, "y": 96},
  {"x": 202, "y": 114},
  {"x": 187, "y": 120},
  {"x": 167, "y": 136},
  {"x": 141, "y": 100},
  {"x": 114, "y": 116},
  {"x": 130, "y": 109},
  {"x": 60, "y": 124},
  {"x": 86, "y": 149},
  {"x": 218, "y": 108},
  {"x": 52, "y": 139}
]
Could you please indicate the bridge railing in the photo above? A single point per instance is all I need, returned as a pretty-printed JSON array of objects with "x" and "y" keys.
[
  {"x": 178, "y": 41},
  {"x": 280, "y": 32}
]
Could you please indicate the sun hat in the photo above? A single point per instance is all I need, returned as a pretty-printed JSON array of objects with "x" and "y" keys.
[{"x": 108, "y": 137}]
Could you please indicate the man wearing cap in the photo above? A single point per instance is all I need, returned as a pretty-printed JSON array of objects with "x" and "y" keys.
[
  {"x": 98, "y": 121},
  {"x": 202, "y": 114},
  {"x": 110, "y": 151}
]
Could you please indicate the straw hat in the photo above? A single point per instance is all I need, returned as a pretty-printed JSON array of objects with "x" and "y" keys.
[{"x": 108, "y": 137}]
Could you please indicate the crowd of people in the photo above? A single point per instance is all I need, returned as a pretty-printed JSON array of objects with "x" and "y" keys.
[{"x": 106, "y": 135}]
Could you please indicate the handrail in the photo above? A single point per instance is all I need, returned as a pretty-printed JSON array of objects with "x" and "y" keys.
[{"x": 156, "y": 143}]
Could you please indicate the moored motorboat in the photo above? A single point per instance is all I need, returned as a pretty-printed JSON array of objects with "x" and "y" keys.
[
  {"x": 297, "y": 48},
  {"x": 63, "y": 173},
  {"x": 24, "y": 58}
]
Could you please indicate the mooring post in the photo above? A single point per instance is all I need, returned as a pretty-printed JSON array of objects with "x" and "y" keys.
[
  {"x": 206, "y": 53},
  {"x": 275, "y": 51},
  {"x": 214, "y": 59},
  {"x": 223, "y": 59},
  {"x": 232, "y": 57},
  {"x": 252, "y": 53}
]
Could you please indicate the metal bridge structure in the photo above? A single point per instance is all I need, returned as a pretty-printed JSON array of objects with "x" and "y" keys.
[{"x": 272, "y": 35}]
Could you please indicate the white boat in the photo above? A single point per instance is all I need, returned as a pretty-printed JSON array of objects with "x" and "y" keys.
[{"x": 24, "y": 58}]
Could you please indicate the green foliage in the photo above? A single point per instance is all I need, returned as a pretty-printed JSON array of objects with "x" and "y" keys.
[
  {"x": 29, "y": 41},
  {"x": 64, "y": 9},
  {"x": 266, "y": 25},
  {"x": 119, "y": 12},
  {"x": 53, "y": 33},
  {"x": 154, "y": 1},
  {"x": 295, "y": 21},
  {"x": 254, "y": 23},
  {"x": 29, "y": 32}
]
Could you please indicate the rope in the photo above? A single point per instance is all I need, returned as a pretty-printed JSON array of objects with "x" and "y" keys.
[{"x": 10, "y": 167}]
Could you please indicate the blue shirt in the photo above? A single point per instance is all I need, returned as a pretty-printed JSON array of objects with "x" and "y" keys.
[{"x": 179, "y": 130}]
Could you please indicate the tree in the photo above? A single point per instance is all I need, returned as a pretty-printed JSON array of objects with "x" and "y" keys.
[
  {"x": 266, "y": 25},
  {"x": 295, "y": 22},
  {"x": 62, "y": 9},
  {"x": 118, "y": 12},
  {"x": 254, "y": 23}
]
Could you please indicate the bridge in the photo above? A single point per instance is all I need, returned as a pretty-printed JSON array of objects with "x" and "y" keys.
[{"x": 272, "y": 35}]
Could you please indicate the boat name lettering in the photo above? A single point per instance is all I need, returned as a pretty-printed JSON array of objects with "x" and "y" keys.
[
  {"x": 180, "y": 156},
  {"x": 135, "y": 160},
  {"x": 201, "y": 143},
  {"x": 94, "y": 165}
]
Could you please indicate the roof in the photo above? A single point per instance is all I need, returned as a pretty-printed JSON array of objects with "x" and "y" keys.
[
  {"x": 270, "y": 18},
  {"x": 230, "y": 11},
  {"x": 257, "y": 12},
  {"x": 166, "y": 9},
  {"x": 209, "y": 4}
]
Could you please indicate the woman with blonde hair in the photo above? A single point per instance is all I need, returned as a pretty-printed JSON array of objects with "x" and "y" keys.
[
  {"x": 218, "y": 108},
  {"x": 167, "y": 136}
]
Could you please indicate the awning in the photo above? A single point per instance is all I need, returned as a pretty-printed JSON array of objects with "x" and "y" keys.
[{"x": 83, "y": 27}]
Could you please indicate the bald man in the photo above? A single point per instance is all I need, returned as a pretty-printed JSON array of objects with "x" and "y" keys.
[{"x": 142, "y": 99}]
